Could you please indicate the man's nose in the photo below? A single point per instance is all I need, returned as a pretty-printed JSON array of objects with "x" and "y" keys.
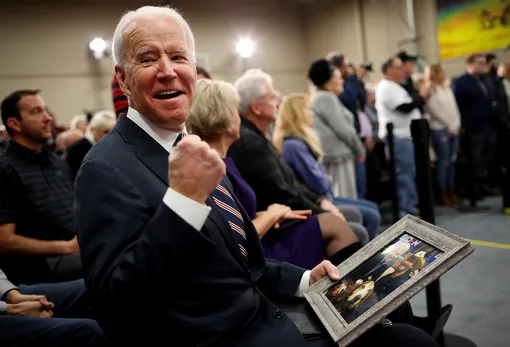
[{"x": 166, "y": 68}]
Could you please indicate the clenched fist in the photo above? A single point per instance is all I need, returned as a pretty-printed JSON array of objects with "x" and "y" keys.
[{"x": 194, "y": 169}]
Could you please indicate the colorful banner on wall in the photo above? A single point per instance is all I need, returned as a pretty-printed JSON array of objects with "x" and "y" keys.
[{"x": 471, "y": 26}]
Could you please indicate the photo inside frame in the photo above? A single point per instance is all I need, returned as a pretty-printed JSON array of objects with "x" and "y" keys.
[{"x": 380, "y": 275}]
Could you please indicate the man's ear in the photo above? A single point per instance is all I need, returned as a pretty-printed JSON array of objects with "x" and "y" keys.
[
  {"x": 255, "y": 108},
  {"x": 120, "y": 73},
  {"x": 14, "y": 124}
]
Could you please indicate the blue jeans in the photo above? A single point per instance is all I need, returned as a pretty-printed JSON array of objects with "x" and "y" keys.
[
  {"x": 369, "y": 211},
  {"x": 361, "y": 179},
  {"x": 406, "y": 176},
  {"x": 446, "y": 149}
]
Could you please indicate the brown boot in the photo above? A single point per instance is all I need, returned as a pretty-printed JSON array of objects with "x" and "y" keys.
[
  {"x": 444, "y": 198},
  {"x": 454, "y": 199}
]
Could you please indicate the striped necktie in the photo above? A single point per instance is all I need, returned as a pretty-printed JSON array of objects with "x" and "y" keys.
[{"x": 228, "y": 207}]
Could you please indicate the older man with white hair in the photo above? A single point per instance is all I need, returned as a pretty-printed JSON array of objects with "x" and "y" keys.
[
  {"x": 101, "y": 123},
  {"x": 148, "y": 227}
]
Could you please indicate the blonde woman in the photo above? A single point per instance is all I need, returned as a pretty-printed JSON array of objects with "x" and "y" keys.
[
  {"x": 296, "y": 139},
  {"x": 444, "y": 125},
  {"x": 297, "y": 237}
]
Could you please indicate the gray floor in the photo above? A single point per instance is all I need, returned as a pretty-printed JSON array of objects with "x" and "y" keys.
[{"x": 479, "y": 287}]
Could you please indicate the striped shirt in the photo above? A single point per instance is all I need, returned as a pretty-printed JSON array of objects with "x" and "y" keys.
[{"x": 120, "y": 100}]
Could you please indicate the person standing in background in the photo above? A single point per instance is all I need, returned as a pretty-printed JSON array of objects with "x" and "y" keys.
[
  {"x": 444, "y": 131},
  {"x": 395, "y": 105},
  {"x": 477, "y": 104},
  {"x": 503, "y": 96},
  {"x": 349, "y": 98}
]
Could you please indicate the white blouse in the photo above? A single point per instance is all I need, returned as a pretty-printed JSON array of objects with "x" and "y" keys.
[{"x": 443, "y": 110}]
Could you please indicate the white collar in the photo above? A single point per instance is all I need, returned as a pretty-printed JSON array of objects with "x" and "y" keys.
[{"x": 164, "y": 137}]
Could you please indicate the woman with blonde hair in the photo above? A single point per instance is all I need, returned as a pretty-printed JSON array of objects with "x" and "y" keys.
[
  {"x": 444, "y": 131},
  {"x": 296, "y": 139},
  {"x": 297, "y": 237}
]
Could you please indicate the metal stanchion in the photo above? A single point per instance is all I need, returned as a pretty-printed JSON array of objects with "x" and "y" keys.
[
  {"x": 421, "y": 141},
  {"x": 393, "y": 173}
]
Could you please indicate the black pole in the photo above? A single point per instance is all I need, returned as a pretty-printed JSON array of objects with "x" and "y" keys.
[
  {"x": 421, "y": 141},
  {"x": 393, "y": 173}
]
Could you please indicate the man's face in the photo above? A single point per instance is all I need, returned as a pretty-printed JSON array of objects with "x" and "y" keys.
[
  {"x": 344, "y": 68},
  {"x": 408, "y": 67},
  {"x": 36, "y": 123},
  {"x": 159, "y": 75},
  {"x": 397, "y": 70},
  {"x": 478, "y": 67},
  {"x": 266, "y": 106}
]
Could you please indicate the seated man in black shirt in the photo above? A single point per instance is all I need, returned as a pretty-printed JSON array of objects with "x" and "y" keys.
[{"x": 37, "y": 239}]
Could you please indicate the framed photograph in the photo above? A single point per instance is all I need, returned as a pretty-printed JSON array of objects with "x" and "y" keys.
[{"x": 383, "y": 275}]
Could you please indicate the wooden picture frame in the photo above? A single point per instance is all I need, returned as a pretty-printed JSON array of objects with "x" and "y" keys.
[{"x": 384, "y": 274}]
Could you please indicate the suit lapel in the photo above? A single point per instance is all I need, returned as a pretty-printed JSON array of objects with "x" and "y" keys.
[
  {"x": 155, "y": 157},
  {"x": 148, "y": 150}
]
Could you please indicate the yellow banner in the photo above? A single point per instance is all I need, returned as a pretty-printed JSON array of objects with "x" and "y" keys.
[{"x": 472, "y": 26}]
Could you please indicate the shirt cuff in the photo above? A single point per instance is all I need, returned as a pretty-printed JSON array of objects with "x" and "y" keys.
[
  {"x": 304, "y": 284},
  {"x": 3, "y": 308},
  {"x": 193, "y": 213}
]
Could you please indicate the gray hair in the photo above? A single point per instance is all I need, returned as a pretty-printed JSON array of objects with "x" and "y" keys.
[
  {"x": 250, "y": 87},
  {"x": 101, "y": 120},
  {"x": 77, "y": 119},
  {"x": 128, "y": 21}
]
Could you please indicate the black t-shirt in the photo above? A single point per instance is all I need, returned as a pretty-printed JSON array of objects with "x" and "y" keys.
[{"x": 36, "y": 194}]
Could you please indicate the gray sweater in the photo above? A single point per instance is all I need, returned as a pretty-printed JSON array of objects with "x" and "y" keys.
[
  {"x": 334, "y": 125},
  {"x": 5, "y": 286}
]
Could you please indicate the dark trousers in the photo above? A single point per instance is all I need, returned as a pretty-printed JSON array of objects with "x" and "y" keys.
[
  {"x": 68, "y": 327},
  {"x": 401, "y": 333},
  {"x": 505, "y": 158},
  {"x": 396, "y": 335}
]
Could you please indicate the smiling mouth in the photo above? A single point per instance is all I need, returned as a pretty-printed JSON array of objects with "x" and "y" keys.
[{"x": 168, "y": 95}]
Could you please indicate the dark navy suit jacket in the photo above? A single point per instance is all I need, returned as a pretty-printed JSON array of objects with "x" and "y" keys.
[
  {"x": 152, "y": 277},
  {"x": 477, "y": 109}
]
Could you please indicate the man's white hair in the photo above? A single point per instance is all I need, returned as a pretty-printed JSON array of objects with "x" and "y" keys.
[
  {"x": 77, "y": 119},
  {"x": 128, "y": 21},
  {"x": 101, "y": 120},
  {"x": 250, "y": 87}
]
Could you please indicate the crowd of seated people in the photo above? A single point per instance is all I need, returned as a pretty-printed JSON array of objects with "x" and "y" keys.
[{"x": 229, "y": 189}]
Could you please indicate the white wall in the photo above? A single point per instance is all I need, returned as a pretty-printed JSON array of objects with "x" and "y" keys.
[
  {"x": 44, "y": 45},
  {"x": 371, "y": 30}
]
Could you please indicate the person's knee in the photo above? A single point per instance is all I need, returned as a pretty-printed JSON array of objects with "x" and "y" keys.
[
  {"x": 351, "y": 213},
  {"x": 404, "y": 335},
  {"x": 396, "y": 335},
  {"x": 90, "y": 333},
  {"x": 360, "y": 232},
  {"x": 334, "y": 228}
]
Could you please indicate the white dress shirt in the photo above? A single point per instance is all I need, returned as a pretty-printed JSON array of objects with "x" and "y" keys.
[{"x": 194, "y": 213}]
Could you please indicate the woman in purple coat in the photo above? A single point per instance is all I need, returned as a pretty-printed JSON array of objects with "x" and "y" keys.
[{"x": 286, "y": 235}]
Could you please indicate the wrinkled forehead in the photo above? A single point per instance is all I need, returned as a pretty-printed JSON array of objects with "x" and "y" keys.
[{"x": 161, "y": 33}]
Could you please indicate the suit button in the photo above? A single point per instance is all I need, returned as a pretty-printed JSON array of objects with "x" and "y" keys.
[{"x": 278, "y": 314}]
